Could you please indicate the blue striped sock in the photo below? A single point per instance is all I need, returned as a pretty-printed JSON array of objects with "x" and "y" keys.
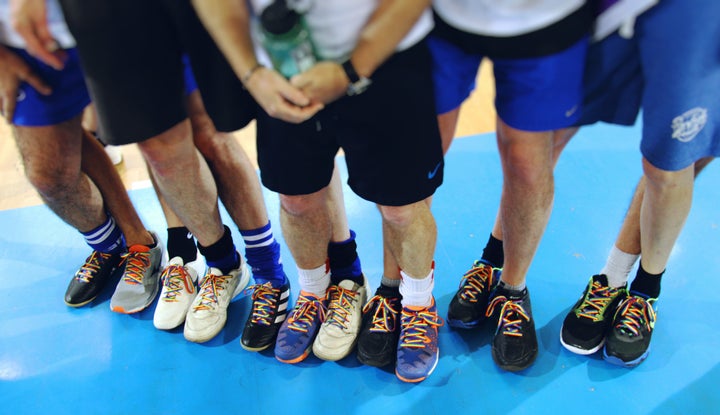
[
  {"x": 106, "y": 238},
  {"x": 263, "y": 255}
]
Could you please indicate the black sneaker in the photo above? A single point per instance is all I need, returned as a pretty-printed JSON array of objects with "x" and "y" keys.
[
  {"x": 269, "y": 309},
  {"x": 468, "y": 306},
  {"x": 585, "y": 326},
  {"x": 514, "y": 345},
  {"x": 628, "y": 342},
  {"x": 378, "y": 339},
  {"x": 92, "y": 276}
]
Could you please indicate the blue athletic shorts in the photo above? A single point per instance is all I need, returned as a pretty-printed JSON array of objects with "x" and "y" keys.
[
  {"x": 670, "y": 68},
  {"x": 532, "y": 94},
  {"x": 68, "y": 99}
]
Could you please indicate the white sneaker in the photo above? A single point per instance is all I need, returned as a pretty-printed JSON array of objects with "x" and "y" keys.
[
  {"x": 338, "y": 334},
  {"x": 208, "y": 313},
  {"x": 178, "y": 291}
]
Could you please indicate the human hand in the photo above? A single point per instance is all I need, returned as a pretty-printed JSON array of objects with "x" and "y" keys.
[
  {"x": 13, "y": 71},
  {"x": 29, "y": 19},
  {"x": 279, "y": 98},
  {"x": 325, "y": 82}
]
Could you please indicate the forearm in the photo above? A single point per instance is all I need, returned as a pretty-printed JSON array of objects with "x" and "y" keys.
[
  {"x": 228, "y": 22},
  {"x": 388, "y": 25}
]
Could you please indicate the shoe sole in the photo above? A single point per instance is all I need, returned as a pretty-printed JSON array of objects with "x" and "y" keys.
[
  {"x": 298, "y": 359},
  {"x": 78, "y": 305},
  {"x": 514, "y": 367},
  {"x": 369, "y": 361},
  {"x": 459, "y": 324},
  {"x": 614, "y": 360},
  {"x": 256, "y": 349},
  {"x": 578, "y": 349}
]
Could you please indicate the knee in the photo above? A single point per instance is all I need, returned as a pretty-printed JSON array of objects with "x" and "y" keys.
[
  {"x": 660, "y": 178},
  {"x": 399, "y": 216},
  {"x": 302, "y": 205}
]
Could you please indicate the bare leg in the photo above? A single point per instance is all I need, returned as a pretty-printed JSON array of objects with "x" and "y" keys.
[
  {"x": 336, "y": 209},
  {"x": 237, "y": 182},
  {"x": 410, "y": 234},
  {"x": 527, "y": 197},
  {"x": 185, "y": 181},
  {"x": 665, "y": 207},
  {"x": 52, "y": 159},
  {"x": 97, "y": 165},
  {"x": 306, "y": 226}
]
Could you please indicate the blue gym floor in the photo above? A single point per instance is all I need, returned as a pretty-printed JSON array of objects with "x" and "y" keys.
[{"x": 55, "y": 359}]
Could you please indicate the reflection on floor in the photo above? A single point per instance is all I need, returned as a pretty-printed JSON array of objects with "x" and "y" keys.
[{"x": 90, "y": 360}]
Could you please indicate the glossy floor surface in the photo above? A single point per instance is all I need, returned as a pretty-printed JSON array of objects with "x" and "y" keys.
[{"x": 54, "y": 359}]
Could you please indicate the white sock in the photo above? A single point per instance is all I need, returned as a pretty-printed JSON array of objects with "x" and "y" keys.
[
  {"x": 618, "y": 267},
  {"x": 315, "y": 281},
  {"x": 417, "y": 292}
]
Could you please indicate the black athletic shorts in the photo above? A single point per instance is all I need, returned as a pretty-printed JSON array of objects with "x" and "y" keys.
[
  {"x": 130, "y": 51},
  {"x": 389, "y": 134}
]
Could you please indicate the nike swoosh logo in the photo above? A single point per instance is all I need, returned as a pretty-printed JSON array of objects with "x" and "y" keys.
[
  {"x": 432, "y": 174},
  {"x": 571, "y": 111},
  {"x": 189, "y": 235}
]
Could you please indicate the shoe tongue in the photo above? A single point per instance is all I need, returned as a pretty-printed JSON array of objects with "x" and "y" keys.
[
  {"x": 348, "y": 285},
  {"x": 139, "y": 248},
  {"x": 176, "y": 261},
  {"x": 214, "y": 271}
]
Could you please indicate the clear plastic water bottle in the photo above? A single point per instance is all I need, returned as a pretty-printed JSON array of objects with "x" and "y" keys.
[{"x": 286, "y": 39}]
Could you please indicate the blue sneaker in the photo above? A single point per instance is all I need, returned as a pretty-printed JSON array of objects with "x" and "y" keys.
[
  {"x": 297, "y": 333},
  {"x": 628, "y": 342},
  {"x": 418, "y": 351}
]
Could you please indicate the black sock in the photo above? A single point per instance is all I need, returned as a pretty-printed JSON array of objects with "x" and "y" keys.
[
  {"x": 646, "y": 284},
  {"x": 344, "y": 261},
  {"x": 493, "y": 252},
  {"x": 222, "y": 254},
  {"x": 181, "y": 243}
]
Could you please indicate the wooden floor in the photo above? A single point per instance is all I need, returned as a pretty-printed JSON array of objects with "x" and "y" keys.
[{"x": 16, "y": 192}]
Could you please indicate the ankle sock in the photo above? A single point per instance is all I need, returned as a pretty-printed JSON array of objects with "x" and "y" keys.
[
  {"x": 417, "y": 292},
  {"x": 222, "y": 254},
  {"x": 315, "y": 281},
  {"x": 618, "y": 266},
  {"x": 344, "y": 261},
  {"x": 181, "y": 243},
  {"x": 646, "y": 284},
  {"x": 493, "y": 252}
]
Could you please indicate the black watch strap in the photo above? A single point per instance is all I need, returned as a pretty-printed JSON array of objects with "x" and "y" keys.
[{"x": 350, "y": 71}]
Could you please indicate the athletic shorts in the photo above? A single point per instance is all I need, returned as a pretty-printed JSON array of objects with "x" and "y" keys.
[
  {"x": 131, "y": 52},
  {"x": 68, "y": 99},
  {"x": 532, "y": 94},
  {"x": 389, "y": 134},
  {"x": 670, "y": 69}
]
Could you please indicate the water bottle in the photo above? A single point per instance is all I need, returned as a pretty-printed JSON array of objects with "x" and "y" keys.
[{"x": 286, "y": 39}]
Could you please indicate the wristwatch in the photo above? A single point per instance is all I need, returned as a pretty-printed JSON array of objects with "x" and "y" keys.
[{"x": 358, "y": 84}]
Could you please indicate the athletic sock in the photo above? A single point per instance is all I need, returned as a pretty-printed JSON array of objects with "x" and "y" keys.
[
  {"x": 222, "y": 254},
  {"x": 618, "y": 267},
  {"x": 646, "y": 284},
  {"x": 180, "y": 243},
  {"x": 106, "y": 238},
  {"x": 315, "y": 281},
  {"x": 417, "y": 292},
  {"x": 263, "y": 255},
  {"x": 493, "y": 253},
  {"x": 344, "y": 261}
]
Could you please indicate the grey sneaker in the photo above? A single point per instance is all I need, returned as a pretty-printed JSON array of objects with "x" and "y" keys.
[
  {"x": 140, "y": 281},
  {"x": 208, "y": 312}
]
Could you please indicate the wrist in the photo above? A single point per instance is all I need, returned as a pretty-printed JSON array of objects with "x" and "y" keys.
[
  {"x": 357, "y": 84},
  {"x": 250, "y": 72}
]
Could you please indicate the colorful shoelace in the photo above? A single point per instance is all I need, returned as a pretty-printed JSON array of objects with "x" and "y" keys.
[
  {"x": 340, "y": 306},
  {"x": 305, "y": 312},
  {"x": 512, "y": 314},
  {"x": 475, "y": 281},
  {"x": 264, "y": 299},
  {"x": 384, "y": 318},
  {"x": 176, "y": 279},
  {"x": 92, "y": 266},
  {"x": 635, "y": 312},
  {"x": 596, "y": 301},
  {"x": 417, "y": 324}
]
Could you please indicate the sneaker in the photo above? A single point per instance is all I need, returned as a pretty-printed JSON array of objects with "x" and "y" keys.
[
  {"x": 628, "y": 342},
  {"x": 208, "y": 312},
  {"x": 585, "y": 326},
  {"x": 139, "y": 285},
  {"x": 269, "y": 310},
  {"x": 514, "y": 345},
  {"x": 298, "y": 331},
  {"x": 378, "y": 339},
  {"x": 417, "y": 350},
  {"x": 89, "y": 280},
  {"x": 339, "y": 332},
  {"x": 467, "y": 308},
  {"x": 178, "y": 292}
]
